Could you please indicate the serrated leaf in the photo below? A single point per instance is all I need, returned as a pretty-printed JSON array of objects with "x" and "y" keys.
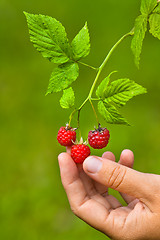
[
  {"x": 48, "y": 37},
  {"x": 80, "y": 45},
  {"x": 68, "y": 98},
  {"x": 121, "y": 91},
  {"x": 103, "y": 86},
  {"x": 147, "y": 6},
  {"x": 63, "y": 76},
  {"x": 111, "y": 114},
  {"x": 139, "y": 35},
  {"x": 154, "y": 22}
]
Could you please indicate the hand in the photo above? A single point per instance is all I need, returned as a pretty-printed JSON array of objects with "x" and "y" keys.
[{"x": 87, "y": 190}]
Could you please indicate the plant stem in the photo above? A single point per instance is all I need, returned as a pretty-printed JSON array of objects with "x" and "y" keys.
[
  {"x": 114, "y": 47},
  {"x": 97, "y": 77},
  {"x": 95, "y": 99},
  {"x": 71, "y": 116},
  {"x": 83, "y": 104},
  {"x": 87, "y": 65},
  {"x": 106, "y": 60},
  {"x": 94, "y": 111}
]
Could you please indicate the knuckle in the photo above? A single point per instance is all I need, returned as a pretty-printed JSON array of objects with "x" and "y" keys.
[{"x": 116, "y": 177}]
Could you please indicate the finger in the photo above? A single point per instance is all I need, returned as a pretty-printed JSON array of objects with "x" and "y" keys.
[
  {"x": 113, "y": 202},
  {"x": 68, "y": 150},
  {"x": 127, "y": 159},
  {"x": 102, "y": 189},
  {"x": 70, "y": 179},
  {"x": 109, "y": 155},
  {"x": 90, "y": 188},
  {"x": 97, "y": 191},
  {"x": 119, "y": 177},
  {"x": 128, "y": 199},
  {"x": 132, "y": 204},
  {"x": 87, "y": 209}
]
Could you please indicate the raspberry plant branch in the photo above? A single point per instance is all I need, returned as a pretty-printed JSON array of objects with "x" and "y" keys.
[
  {"x": 50, "y": 38},
  {"x": 94, "y": 110},
  {"x": 131, "y": 33},
  {"x": 89, "y": 66},
  {"x": 89, "y": 97},
  {"x": 106, "y": 60}
]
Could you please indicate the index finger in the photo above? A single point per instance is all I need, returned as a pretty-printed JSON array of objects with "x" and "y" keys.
[{"x": 91, "y": 211}]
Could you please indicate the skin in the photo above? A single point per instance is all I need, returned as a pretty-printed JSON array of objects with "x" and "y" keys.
[{"x": 87, "y": 192}]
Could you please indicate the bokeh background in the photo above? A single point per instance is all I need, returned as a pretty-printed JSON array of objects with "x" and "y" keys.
[{"x": 33, "y": 204}]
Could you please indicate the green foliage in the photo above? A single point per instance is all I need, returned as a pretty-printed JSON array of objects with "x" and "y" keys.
[
  {"x": 81, "y": 44},
  {"x": 63, "y": 76},
  {"x": 147, "y": 6},
  {"x": 150, "y": 10},
  {"x": 154, "y": 22},
  {"x": 68, "y": 98},
  {"x": 111, "y": 114},
  {"x": 48, "y": 37},
  {"x": 102, "y": 87},
  {"x": 117, "y": 94},
  {"x": 139, "y": 34},
  {"x": 100, "y": 92},
  {"x": 121, "y": 91}
]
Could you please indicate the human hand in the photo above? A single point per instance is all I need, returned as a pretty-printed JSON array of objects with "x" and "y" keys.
[{"x": 87, "y": 190}]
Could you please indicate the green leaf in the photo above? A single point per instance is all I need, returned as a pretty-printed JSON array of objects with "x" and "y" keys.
[
  {"x": 147, "y": 6},
  {"x": 154, "y": 22},
  {"x": 111, "y": 114},
  {"x": 68, "y": 98},
  {"x": 121, "y": 91},
  {"x": 80, "y": 45},
  {"x": 48, "y": 37},
  {"x": 103, "y": 86},
  {"x": 63, "y": 76},
  {"x": 139, "y": 35}
]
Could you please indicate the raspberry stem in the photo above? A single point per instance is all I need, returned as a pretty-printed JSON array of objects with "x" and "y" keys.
[
  {"x": 94, "y": 111},
  {"x": 89, "y": 97},
  {"x": 87, "y": 65},
  {"x": 107, "y": 58},
  {"x": 71, "y": 116}
]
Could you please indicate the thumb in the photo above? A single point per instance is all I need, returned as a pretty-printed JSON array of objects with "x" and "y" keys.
[{"x": 120, "y": 178}]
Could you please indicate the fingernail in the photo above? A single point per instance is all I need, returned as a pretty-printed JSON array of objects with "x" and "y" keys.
[{"x": 92, "y": 165}]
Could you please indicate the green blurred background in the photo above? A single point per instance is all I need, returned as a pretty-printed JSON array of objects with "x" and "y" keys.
[{"x": 33, "y": 204}]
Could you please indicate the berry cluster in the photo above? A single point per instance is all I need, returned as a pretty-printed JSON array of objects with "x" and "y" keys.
[{"x": 97, "y": 139}]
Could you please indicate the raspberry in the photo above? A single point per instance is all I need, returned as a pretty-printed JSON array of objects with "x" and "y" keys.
[
  {"x": 66, "y": 136},
  {"x": 80, "y": 152},
  {"x": 98, "y": 138}
]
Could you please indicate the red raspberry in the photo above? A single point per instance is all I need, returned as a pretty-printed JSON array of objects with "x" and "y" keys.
[
  {"x": 80, "y": 152},
  {"x": 98, "y": 138},
  {"x": 66, "y": 136}
]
